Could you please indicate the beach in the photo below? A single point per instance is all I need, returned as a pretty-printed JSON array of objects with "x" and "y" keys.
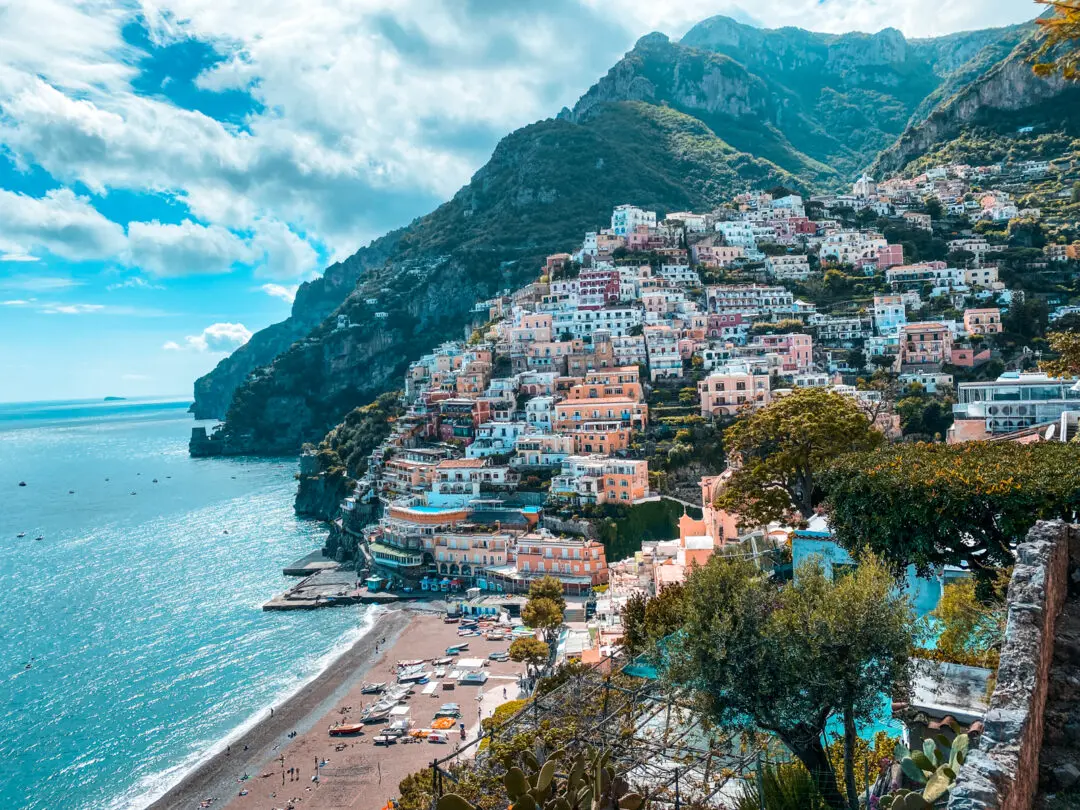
[{"x": 360, "y": 775}]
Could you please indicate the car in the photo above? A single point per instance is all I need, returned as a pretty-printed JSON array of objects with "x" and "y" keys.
[{"x": 499, "y": 656}]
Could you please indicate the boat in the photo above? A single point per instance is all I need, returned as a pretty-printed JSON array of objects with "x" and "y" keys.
[
  {"x": 385, "y": 739},
  {"x": 410, "y": 664},
  {"x": 455, "y": 649},
  {"x": 442, "y": 662},
  {"x": 372, "y": 687},
  {"x": 478, "y": 678},
  {"x": 376, "y": 714},
  {"x": 346, "y": 729},
  {"x": 438, "y": 737},
  {"x": 21, "y": 534},
  {"x": 413, "y": 676}
]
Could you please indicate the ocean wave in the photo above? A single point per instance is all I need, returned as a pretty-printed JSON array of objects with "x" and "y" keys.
[{"x": 153, "y": 786}]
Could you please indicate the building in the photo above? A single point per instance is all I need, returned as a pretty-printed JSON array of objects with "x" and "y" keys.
[
  {"x": 982, "y": 321},
  {"x": 1012, "y": 402},
  {"x": 600, "y": 480},
  {"x": 541, "y": 450},
  {"x": 568, "y": 559},
  {"x": 924, "y": 343},
  {"x": 709, "y": 254},
  {"x": 795, "y": 267},
  {"x": 726, "y": 390},
  {"x": 626, "y": 219},
  {"x": 889, "y": 313},
  {"x": 662, "y": 347},
  {"x": 917, "y": 220}
]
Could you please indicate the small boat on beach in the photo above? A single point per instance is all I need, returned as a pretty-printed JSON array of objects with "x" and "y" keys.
[
  {"x": 346, "y": 729},
  {"x": 410, "y": 664},
  {"x": 473, "y": 678},
  {"x": 457, "y": 649},
  {"x": 372, "y": 687}
]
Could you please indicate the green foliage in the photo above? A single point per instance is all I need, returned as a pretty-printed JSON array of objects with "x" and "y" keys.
[
  {"x": 783, "y": 447},
  {"x": 1066, "y": 345},
  {"x": 934, "y": 767},
  {"x": 622, "y": 529},
  {"x": 545, "y": 615},
  {"x": 647, "y": 621},
  {"x": 351, "y": 442},
  {"x": 530, "y": 651},
  {"x": 972, "y": 628},
  {"x": 931, "y": 505},
  {"x": 828, "y": 647},
  {"x": 548, "y": 587},
  {"x": 785, "y": 786},
  {"x": 586, "y": 781}
]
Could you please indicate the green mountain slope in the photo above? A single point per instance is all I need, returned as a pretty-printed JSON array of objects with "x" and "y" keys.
[
  {"x": 543, "y": 187},
  {"x": 671, "y": 126}
]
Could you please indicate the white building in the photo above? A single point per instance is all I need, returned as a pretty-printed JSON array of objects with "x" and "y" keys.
[
  {"x": 626, "y": 219},
  {"x": 789, "y": 268}
]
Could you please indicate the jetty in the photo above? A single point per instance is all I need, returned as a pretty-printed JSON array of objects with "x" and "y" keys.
[{"x": 310, "y": 564}]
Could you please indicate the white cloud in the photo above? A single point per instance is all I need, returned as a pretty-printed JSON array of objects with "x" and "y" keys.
[
  {"x": 136, "y": 377},
  {"x": 185, "y": 249},
  {"x": 371, "y": 111},
  {"x": 218, "y": 337},
  {"x": 72, "y": 309},
  {"x": 61, "y": 222},
  {"x": 287, "y": 294},
  {"x": 18, "y": 257},
  {"x": 18, "y": 302},
  {"x": 134, "y": 283}
]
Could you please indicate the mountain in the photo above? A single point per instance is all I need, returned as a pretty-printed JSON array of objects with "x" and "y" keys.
[
  {"x": 543, "y": 187},
  {"x": 673, "y": 125}
]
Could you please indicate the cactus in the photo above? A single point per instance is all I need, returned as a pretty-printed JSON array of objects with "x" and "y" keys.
[
  {"x": 589, "y": 783},
  {"x": 934, "y": 768}
]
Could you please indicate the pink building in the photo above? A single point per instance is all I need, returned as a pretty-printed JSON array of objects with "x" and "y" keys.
[
  {"x": 890, "y": 256},
  {"x": 982, "y": 321},
  {"x": 727, "y": 390},
  {"x": 725, "y": 324},
  {"x": 924, "y": 343},
  {"x": 796, "y": 351},
  {"x": 716, "y": 255}
]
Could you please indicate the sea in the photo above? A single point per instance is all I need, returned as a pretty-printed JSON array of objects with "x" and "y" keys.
[{"x": 132, "y": 640}]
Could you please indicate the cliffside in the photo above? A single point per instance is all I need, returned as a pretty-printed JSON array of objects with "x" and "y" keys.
[
  {"x": 672, "y": 126},
  {"x": 543, "y": 187},
  {"x": 1006, "y": 90},
  {"x": 314, "y": 301}
]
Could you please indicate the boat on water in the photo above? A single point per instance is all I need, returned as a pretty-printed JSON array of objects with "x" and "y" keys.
[
  {"x": 372, "y": 687},
  {"x": 346, "y": 729}
]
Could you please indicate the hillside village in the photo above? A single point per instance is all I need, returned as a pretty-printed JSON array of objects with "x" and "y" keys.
[
  {"x": 578, "y": 431},
  {"x": 576, "y": 390}
]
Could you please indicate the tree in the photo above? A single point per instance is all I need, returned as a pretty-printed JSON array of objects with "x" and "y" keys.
[
  {"x": 972, "y": 628},
  {"x": 932, "y": 206},
  {"x": 1067, "y": 346},
  {"x": 532, "y": 652},
  {"x": 1062, "y": 30},
  {"x": 780, "y": 450},
  {"x": 646, "y": 622},
  {"x": 787, "y": 659},
  {"x": 933, "y": 504},
  {"x": 545, "y": 615},
  {"x": 548, "y": 588}
]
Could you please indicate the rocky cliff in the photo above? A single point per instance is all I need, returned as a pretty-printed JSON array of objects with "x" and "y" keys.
[
  {"x": 314, "y": 301},
  {"x": 672, "y": 126},
  {"x": 544, "y": 185},
  {"x": 1004, "y": 91}
]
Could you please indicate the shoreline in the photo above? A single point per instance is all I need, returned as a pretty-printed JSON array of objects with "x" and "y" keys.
[{"x": 215, "y": 775}]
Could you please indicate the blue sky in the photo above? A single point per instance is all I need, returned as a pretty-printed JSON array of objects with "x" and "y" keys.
[{"x": 171, "y": 170}]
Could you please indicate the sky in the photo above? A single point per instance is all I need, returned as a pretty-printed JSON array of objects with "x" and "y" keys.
[{"x": 171, "y": 170}]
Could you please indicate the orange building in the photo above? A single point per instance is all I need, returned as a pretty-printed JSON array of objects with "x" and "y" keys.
[
  {"x": 541, "y": 554},
  {"x": 982, "y": 321},
  {"x": 601, "y": 437}
]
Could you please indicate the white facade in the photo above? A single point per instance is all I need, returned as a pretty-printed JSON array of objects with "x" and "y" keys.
[{"x": 626, "y": 219}]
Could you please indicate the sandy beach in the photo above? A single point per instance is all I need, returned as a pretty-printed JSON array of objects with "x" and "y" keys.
[{"x": 360, "y": 776}]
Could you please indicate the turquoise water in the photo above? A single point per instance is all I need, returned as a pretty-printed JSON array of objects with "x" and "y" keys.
[{"x": 141, "y": 618}]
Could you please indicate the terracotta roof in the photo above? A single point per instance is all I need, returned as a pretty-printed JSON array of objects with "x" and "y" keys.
[{"x": 461, "y": 463}]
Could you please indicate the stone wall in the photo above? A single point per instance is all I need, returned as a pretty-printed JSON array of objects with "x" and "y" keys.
[{"x": 1003, "y": 772}]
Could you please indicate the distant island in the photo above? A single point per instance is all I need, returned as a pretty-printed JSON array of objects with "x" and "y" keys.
[{"x": 116, "y": 399}]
